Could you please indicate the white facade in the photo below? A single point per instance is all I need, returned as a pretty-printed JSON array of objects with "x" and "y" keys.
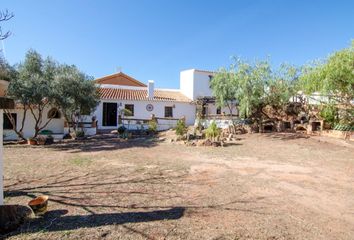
[
  {"x": 195, "y": 83},
  {"x": 55, "y": 125},
  {"x": 180, "y": 110}
]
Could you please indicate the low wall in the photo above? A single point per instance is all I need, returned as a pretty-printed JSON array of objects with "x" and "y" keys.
[
  {"x": 89, "y": 131},
  {"x": 347, "y": 135},
  {"x": 220, "y": 123}
]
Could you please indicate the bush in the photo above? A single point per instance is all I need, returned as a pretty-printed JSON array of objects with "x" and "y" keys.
[
  {"x": 329, "y": 114},
  {"x": 80, "y": 133},
  {"x": 152, "y": 126},
  {"x": 181, "y": 128},
  {"x": 121, "y": 130},
  {"x": 212, "y": 132}
]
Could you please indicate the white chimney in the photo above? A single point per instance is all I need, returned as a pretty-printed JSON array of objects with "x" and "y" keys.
[{"x": 150, "y": 89}]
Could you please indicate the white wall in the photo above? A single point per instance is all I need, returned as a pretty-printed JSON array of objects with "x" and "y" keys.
[
  {"x": 186, "y": 82},
  {"x": 180, "y": 110},
  {"x": 194, "y": 83},
  {"x": 212, "y": 110},
  {"x": 56, "y": 125}
]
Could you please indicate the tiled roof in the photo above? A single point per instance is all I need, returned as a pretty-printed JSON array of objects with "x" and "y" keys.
[
  {"x": 141, "y": 95},
  {"x": 120, "y": 79}
]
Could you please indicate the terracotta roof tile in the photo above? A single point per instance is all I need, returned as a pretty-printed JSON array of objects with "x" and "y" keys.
[{"x": 141, "y": 95}]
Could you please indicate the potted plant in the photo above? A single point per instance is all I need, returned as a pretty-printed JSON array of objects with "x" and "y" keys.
[{"x": 32, "y": 141}]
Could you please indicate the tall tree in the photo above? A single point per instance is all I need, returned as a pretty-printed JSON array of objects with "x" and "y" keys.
[
  {"x": 224, "y": 89},
  {"x": 255, "y": 85},
  {"x": 33, "y": 89},
  {"x": 75, "y": 94},
  {"x": 334, "y": 78}
]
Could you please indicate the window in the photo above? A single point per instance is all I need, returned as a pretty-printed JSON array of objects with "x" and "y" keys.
[
  {"x": 218, "y": 110},
  {"x": 168, "y": 112},
  {"x": 130, "y": 108},
  {"x": 7, "y": 122},
  {"x": 54, "y": 113}
]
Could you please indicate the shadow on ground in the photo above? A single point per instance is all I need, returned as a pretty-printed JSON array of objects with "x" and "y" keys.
[
  {"x": 104, "y": 142},
  {"x": 286, "y": 136}
]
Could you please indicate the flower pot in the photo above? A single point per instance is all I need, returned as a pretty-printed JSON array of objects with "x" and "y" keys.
[
  {"x": 3, "y": 87},
  {"x": 32, "y": 142},
  {"x": 39, "y": 204}
]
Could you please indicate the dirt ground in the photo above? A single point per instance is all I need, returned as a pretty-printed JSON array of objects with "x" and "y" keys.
[{"x": 264, "y": 186}]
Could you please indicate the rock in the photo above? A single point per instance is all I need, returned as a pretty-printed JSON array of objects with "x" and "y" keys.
[
  {"x": 162, "y": 139},
  {"x": 171, "y": 140},
  {"x": 12, "y": 216},
  {"x": 208, "y": 142},
  {"x": 114, "y": 131}
]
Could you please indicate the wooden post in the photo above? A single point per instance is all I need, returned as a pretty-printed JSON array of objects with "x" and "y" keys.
[
  {"x": 1, "y": 159},
  {"x": 5, "y": 103}
]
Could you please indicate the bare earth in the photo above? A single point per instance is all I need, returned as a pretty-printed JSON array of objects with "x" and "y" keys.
[{"x": 269, "y": 186}]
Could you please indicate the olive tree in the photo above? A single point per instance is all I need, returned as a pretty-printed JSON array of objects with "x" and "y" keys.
[{"x": 75, "y": 94}]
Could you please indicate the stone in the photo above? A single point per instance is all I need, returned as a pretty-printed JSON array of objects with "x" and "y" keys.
[{"x": 12, "y": 216}]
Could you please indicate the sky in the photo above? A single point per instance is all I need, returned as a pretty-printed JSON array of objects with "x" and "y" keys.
[{"x": 155, "y": 39}]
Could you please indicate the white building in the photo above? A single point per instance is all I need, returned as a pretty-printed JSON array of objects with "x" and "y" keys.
[{"x": 120, "y": 91}]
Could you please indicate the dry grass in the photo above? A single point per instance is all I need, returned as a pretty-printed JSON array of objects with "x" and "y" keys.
[{"x": 268, "y": 186}]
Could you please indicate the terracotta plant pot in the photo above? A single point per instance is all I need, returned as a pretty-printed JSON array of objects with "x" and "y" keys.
[
  {"x": 39, "y": 204},
  {"x": 32, "y": 142}
]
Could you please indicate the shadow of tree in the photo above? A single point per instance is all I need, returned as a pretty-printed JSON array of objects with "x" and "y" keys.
[
  {"x": 285, "y": 136},
  {"x": 58, "y": 222},
  {"x": 103, "y": 142}
]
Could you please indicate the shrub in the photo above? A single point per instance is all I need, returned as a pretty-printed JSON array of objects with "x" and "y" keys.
[
  {"x": 121, "y": 130},
  {"x": 80, "y": 133},
  {"x": 329, "y": 114},
  {"x": 181, "y": 128},
  {"x": 152, "y": 126},
  {"x": 212, "y": 131}
]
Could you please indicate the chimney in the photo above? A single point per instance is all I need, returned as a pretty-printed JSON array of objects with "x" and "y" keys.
[{"x": 150, "y": 89}]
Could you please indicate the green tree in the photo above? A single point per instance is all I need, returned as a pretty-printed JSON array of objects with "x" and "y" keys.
[
  {"x": 75, "y": 94},
  {"x": 224, "y": 87},
  {"x": 32, "y": 89},
  {"x": 255, "y": 85},
  {"x": 334, "y": 78}
]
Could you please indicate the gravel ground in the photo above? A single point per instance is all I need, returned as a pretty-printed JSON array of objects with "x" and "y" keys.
[{"x": 264, "y": 186}]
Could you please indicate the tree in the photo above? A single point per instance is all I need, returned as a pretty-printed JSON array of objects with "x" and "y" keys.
[
  {"x": 75, "y": 94},
  {"x": 334, "y": 78},
  {"x": 37, "y": 76},
  {"x": 5, "y": 16},
  {"x": 224, "y": 89},
  {"x": 33, "y": 89},
  {"x": 255, "y": 85}
]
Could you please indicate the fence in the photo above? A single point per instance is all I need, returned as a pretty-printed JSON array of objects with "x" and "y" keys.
[{"x": 143, "y": 124}]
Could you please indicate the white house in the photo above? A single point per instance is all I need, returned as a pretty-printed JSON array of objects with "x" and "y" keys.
[{"x": 120, "y": 91}]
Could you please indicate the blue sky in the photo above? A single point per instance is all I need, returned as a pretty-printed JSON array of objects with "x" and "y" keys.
[{"x": 157, "y": 39}]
